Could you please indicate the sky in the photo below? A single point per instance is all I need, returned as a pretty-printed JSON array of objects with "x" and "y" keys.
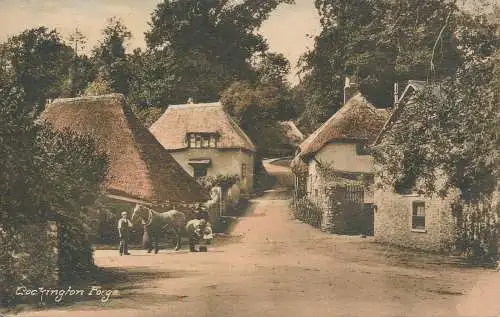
[{"x": 288, "y": 30}]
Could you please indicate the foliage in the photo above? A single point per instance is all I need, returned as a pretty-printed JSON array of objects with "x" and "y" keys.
[
  {"x": 81, "y": 70},
  {"x": 18, "y": 253},
  {"x": 61, "y": 176},
  {"x": 110, "y": 58},
  {"x": 220, "y": 180},
  {"x": 257, "y": 109},
  {"x": 147, "y": 115},
  {"x": 204, "y": 46},
  {"x": 305, "y": 210},
  {"x": 328, "y": 173},
  {"x": 38, "y": 60},
  {"x": 477, "y": 231},
  {"x": 100, "y": 86},
  {"x": 447, "y": 138},
  {"x": 453, "y": 138},
  {"x": 381, "y": 42}
]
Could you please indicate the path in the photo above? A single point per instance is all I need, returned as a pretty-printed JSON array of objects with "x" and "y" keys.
[{"x": 275, "y": 266}]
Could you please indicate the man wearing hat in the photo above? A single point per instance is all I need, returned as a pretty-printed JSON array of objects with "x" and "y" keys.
[{"x": 124, "y": 227}]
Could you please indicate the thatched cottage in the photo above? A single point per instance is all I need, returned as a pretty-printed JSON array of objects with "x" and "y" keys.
[
  {"x": 338, "y": 147},
  {"x": 139, "y": 166},
  {"x": 413, "y": 219},
  {"x": 205, "y": 141}
]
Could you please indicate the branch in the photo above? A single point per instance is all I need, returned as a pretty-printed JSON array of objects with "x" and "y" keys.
[{"x": 438, "y": 39}]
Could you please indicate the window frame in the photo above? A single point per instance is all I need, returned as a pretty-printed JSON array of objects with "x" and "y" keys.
[
  {"x": 416, "y": 219},
  {"x": 199, "y": 168}
]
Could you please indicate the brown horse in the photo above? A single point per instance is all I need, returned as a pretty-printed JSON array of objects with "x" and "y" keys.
[{"x": 156, "y": 223}]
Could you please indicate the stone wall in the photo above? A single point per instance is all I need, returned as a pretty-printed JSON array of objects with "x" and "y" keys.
[{"x": 393, "y": 221}]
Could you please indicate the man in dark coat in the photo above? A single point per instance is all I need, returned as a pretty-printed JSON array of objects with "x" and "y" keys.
[{"x": 124, "y": 228}]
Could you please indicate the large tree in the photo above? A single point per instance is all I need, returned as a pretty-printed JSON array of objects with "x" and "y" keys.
[
  {"x": 110, "y": 56},
  {"x": 259, "y": 105},
  {"x": 39, "y": 61},
  {"x": 378, "y": 42},
  {"x": 202, "y": 46}
]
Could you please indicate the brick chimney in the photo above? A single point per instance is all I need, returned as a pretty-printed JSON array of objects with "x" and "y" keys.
[{"x": 350, "y": 88}]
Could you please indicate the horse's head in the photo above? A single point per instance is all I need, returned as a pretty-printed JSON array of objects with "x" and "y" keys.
[{"x": 139, "y": 214}]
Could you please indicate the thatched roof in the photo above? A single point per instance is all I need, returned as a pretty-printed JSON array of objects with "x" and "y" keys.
[
  {"x": 356, "y": 120},
  {"x": 291, "y": 132},
  {"x": 298, "y": 165},
  {"x": 178, "y": 120},
  {"x": 139, "y": 166}
]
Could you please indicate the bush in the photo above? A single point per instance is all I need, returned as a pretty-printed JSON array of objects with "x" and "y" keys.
[
  {"x": 307, "y": 211},
  {"x": 477, "y": 230},
  {"x": 223, "y": 181},
  {"x": 28, "y": 259}
]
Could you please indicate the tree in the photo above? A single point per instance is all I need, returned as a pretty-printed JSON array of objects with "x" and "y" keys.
[
  {"x": 272, "y": 69},
  {"x": 258, "y": 109},
  {"x": 378, "y": 42},
  {"x": 43, "y": 175},
  {"x": 100, "y": 86},
  {"x": 78, "y": 74},
  {"x": 206, "y": 45},
  {"x": 110, "y": 56},
  {"x": 39, "y": 61}
]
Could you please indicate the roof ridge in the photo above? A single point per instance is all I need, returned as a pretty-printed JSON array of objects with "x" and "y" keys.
[
  {"x": 196, "y": 105},
  {"x": 98, "y": 97}
]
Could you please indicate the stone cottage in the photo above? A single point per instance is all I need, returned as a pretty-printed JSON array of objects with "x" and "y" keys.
[
  {"x": 341, "y": 146},
  {"x": 412, "y": 220},
  {"x": 205, "y": 141}
]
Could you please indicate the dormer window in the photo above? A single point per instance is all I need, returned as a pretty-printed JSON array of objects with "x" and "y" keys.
[{"x": 202, "y": 140}]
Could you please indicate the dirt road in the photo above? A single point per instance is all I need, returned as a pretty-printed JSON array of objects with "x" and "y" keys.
[{"x": 274, "y": 266}]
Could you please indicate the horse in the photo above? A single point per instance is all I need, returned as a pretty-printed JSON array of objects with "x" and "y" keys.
[{"x": 155, "y": 224}]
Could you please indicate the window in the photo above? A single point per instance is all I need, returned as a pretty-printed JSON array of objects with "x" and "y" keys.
[
  {"x": 418, "y": 215},
  {"x": 200, "y": 171},
  {"x": 202, "y": 140},
  {"x": 192, "y": 140},
  {"x": 198, "y": 141},
  {"x": 243, "y": 171},
  {"x": 205, "y": 141}
]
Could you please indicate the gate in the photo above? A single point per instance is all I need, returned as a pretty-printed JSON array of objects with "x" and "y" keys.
[{"x": 346, "y": 212}]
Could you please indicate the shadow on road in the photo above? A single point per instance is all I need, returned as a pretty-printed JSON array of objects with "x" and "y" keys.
[{"x": 106, "y": 288}]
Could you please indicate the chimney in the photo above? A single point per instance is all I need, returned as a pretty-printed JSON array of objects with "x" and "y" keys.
[{"x": 350, "y": 89}]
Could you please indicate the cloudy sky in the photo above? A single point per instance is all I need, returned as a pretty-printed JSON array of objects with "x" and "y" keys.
[{"x": 287, "y": 30}]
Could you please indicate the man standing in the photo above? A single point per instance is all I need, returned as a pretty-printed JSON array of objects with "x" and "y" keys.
[{"x": 124, "y": 227}]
